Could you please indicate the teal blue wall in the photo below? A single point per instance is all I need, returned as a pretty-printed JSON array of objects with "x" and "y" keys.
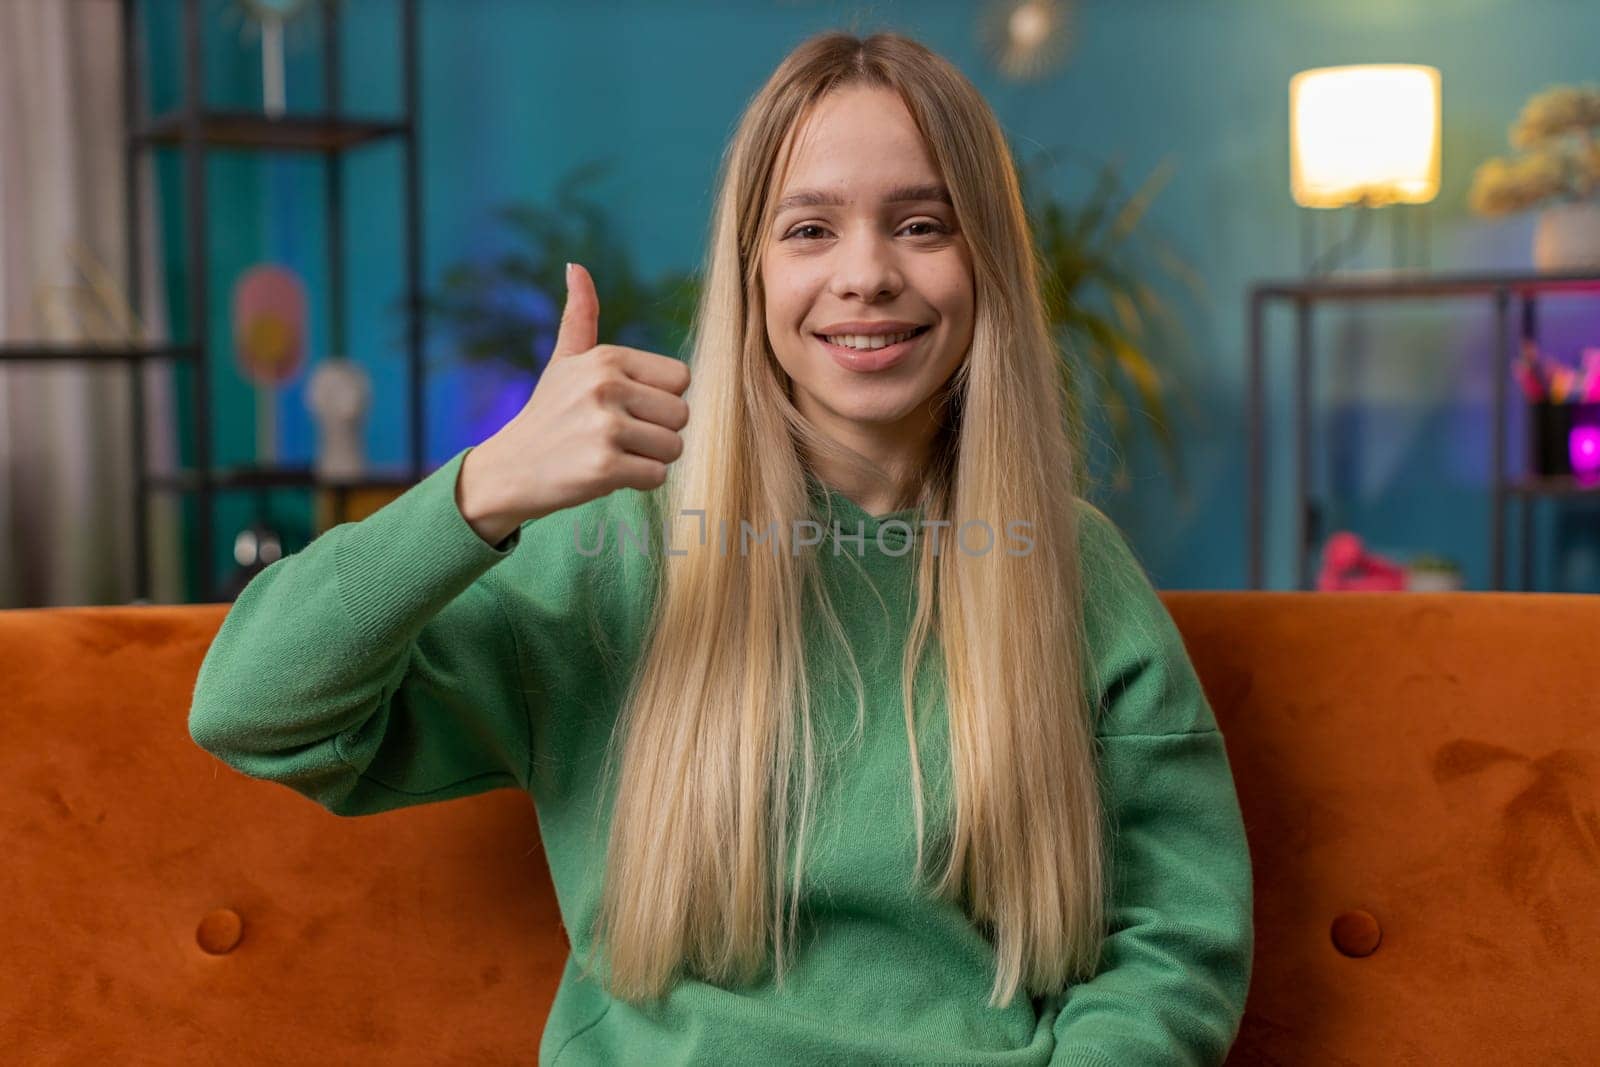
[{"x": 516, "y": 93}]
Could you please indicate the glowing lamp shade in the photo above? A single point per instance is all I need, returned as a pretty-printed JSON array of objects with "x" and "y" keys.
[
  {"x": 1584, "y": 448},
  {"x": 1364, "y": 134}
]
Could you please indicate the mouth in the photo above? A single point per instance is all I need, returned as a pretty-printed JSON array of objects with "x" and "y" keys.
[{"x": 858, "y": 353}]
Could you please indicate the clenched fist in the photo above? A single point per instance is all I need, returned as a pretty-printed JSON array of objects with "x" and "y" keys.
[{"x": 600, "y": 418}]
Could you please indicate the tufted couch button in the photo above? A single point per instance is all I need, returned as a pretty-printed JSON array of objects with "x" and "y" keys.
[
  {"x": 1356, "y": 933},
  {"x": 219, "y": 931}
]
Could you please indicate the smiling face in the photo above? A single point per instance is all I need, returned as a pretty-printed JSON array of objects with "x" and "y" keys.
[{"x": 865, "y": 247}]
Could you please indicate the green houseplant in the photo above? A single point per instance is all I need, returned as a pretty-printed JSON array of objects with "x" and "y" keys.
[
  {"x": 1097, "y": 277},
  {"x": 508, "y": 310}
]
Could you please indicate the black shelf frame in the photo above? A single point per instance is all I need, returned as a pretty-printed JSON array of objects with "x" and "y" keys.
[
  {"x": 249, "y": 130},
  {"x": 279, "y": 476},
  {"x": 195, "y": 130},
  {"x": 45, "y": 353},
  {"x": 1304, "y": 295}
]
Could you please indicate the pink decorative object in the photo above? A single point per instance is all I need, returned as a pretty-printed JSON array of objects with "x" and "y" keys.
[
  {"x": 1348, "y": 566},
  {"x": 1584, "y": 446},
  {"x": 269, "y": 324}
]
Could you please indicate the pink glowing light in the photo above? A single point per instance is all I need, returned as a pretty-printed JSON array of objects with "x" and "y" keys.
[{"x": 1584, "y": 446}]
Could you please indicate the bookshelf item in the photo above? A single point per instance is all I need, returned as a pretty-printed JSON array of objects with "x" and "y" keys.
[
  {"x": 339, "y": 396},
  {"x": 269, "y": 342},
  {"x": 1563, "y": 439}
]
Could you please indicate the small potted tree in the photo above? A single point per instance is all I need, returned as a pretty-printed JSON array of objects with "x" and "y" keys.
[{"x": 1557, "y": 171}]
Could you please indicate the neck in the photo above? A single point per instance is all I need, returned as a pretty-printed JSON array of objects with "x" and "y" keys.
[{"x": 900, "y": 451}]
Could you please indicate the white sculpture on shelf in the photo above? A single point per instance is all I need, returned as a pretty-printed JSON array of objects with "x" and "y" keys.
[
  {"x": 274, "y": 17},
  {"x": 338, "y": 396}
]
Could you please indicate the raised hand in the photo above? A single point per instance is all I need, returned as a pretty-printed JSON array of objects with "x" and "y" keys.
[{"x": 600, "y": 418}]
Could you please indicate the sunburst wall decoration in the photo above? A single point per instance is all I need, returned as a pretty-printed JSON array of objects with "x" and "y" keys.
[{"x": 1026, "y": 39}]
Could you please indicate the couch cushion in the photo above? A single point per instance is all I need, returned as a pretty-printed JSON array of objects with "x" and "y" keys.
[
  {"x": 1417, "y": 772},
  {"x": 158, "y": 900}
]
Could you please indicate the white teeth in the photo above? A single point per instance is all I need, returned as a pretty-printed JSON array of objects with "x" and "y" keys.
[{"x": 869, "y": 341}]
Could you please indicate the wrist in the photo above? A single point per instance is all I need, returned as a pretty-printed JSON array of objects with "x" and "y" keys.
[{"x": 478, "y": 500}]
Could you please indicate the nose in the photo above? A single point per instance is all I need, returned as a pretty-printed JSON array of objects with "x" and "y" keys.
[{"x": 866, "y": 267}]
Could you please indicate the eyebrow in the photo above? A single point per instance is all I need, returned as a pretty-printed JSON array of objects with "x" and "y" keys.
[{"x": 901, "y": 195}]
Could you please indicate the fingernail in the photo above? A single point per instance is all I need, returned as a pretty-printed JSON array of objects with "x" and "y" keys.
[{"x": 569, "y": 273}]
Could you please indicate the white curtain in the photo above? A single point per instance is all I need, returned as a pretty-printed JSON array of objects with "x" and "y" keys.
[{"x": 66, "y": 477}]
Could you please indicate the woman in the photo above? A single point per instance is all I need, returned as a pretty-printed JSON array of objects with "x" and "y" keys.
[{"x": 875, "y": 507}]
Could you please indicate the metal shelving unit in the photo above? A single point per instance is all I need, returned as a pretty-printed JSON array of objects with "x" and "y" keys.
[
  {"x": 1305, "y": 294},
  {"x": 194, "y": 130}
]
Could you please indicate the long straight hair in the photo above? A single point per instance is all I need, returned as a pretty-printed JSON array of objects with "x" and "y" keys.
[{"x": 712, "y": 750}]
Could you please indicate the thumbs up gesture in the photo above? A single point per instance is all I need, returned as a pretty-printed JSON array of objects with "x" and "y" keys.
[{"x": 600, "y": 418}]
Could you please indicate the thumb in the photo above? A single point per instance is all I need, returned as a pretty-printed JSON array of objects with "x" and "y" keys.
[{"x": 580, "y": 319}]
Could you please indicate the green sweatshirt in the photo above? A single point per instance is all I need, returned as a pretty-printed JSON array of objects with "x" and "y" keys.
[{"x": 403, "y": 660}]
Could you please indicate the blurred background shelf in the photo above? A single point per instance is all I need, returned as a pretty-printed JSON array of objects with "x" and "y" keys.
[
  {"x": 256, "y": 476},
  {"x": 1387, "y": 284},
  {"x": 1552, "y": 485},
  {"x": 252, "y": 130},
  {"x": 1303, "y": 294},
  {"x": 46, "y": 353},
  {"x": 195, "y": 130},
  {"x": 335, "y": 500}
]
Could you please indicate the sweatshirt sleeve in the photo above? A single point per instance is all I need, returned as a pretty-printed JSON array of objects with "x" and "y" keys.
[
  {"x": 1176, "y": 965},
  {"x": 375, "y": 668}
]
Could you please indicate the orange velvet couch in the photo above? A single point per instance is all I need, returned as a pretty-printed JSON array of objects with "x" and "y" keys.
[{"x": 1418, "y": 774}]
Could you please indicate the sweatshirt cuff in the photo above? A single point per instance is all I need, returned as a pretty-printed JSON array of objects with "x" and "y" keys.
[
  {"x": 398, "y": 566},
  {"x": 1066, "y": 1056}
]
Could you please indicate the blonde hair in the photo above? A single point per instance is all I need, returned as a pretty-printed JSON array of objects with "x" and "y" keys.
[{"x": 713, "y": 744}]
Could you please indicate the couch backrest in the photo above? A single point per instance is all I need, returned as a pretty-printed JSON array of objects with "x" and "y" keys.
[
  {"x": 1417, "y": 773},
  {"x": 1419, "y": 777}
]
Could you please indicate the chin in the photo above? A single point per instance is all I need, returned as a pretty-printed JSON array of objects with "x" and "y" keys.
[{"x": 887, "y": 412}]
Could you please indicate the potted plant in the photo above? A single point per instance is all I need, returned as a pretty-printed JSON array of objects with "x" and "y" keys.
[
  {"x": 1558, "y": 168},
  {"x": 508, "y": 311},
  {"x": 1429, "y": 572},
  {"x": 1116, "y": 329}
]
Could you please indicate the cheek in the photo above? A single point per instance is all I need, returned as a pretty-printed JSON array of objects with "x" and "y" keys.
[
  {"x": 785, "y": 307},
  {"x": 791, "y": 313},
  {"x": 948, "y": 287},
  {"x": 955, "y": 302}
]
